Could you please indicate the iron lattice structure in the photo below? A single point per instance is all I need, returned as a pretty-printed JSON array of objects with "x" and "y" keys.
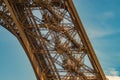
[{"x": 53, "y": 38}]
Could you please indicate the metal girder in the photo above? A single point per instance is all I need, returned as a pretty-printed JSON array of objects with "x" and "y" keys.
[
  {"x": 85, "y": 40},
  {"x": 53, "y": 38},
  {"x": 24, "y": 40}
]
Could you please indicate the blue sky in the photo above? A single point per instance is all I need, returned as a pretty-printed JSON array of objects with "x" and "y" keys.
[
  {"x": 101, "y": 19},
  {"x": 14, "y": 64}
]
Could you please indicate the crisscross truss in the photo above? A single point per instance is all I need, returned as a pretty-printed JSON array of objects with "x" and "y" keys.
[{"x": 53, "y": 37}]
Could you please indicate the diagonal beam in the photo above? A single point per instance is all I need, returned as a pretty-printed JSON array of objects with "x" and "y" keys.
[{"x": 85, "y": 40}]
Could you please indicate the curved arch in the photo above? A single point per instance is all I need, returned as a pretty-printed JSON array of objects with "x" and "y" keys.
[
  {"x": 7, "y": 22},
  {"x": 14, "y": 64}
]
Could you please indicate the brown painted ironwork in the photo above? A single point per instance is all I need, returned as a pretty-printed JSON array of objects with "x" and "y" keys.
[{"x": 53, "y": 38}]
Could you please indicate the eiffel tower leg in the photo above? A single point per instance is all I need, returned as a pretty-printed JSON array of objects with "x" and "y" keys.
[{"x": 54, "y": 39}]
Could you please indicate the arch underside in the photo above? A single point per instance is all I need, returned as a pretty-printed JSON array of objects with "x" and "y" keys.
[{"x": 49, "y": 34}]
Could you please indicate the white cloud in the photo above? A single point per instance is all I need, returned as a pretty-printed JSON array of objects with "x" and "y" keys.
[
  {"x": 113, "y": 77},
  {"x": 104, "y": 17},
  {"x": 95, "y": 31},
  {"x": 97, "y": 25},
  {"x": 112, "y": 72},
  {"x": 107, "y": 15}
]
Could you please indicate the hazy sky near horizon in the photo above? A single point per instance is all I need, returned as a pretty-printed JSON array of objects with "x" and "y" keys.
[{"x": 101, "y": 19}]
